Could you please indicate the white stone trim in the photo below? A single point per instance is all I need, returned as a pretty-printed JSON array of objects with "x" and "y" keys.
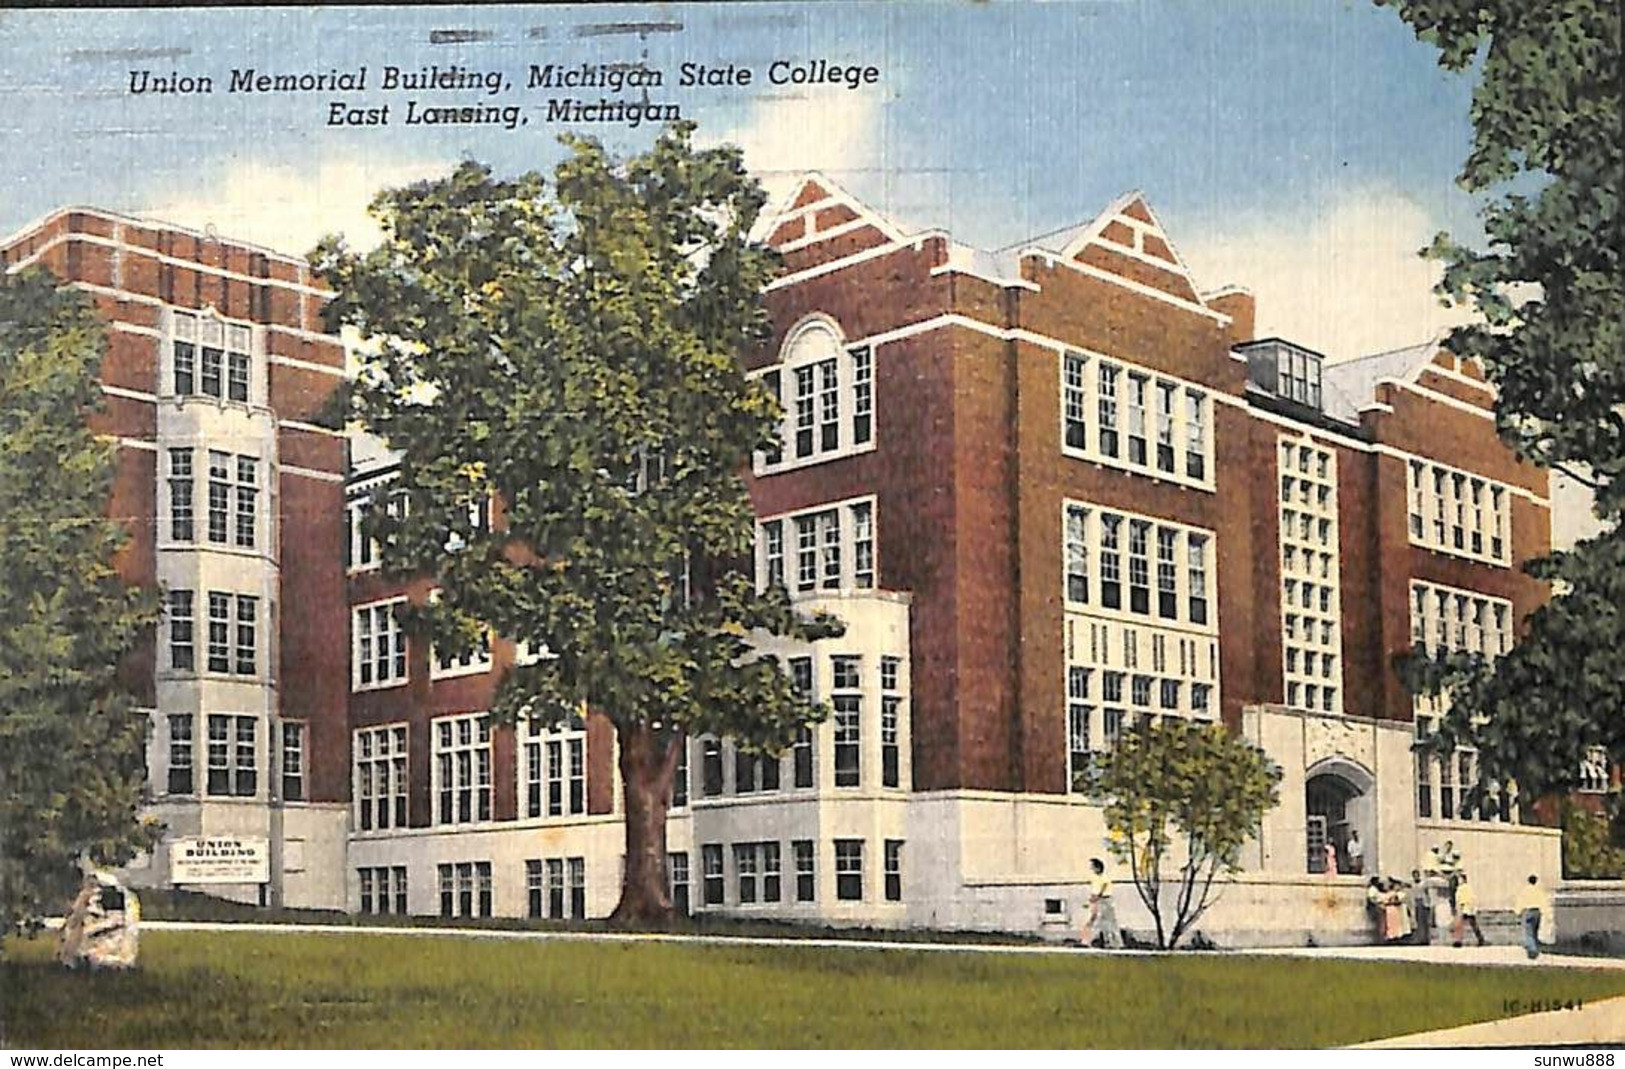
[
  {"x": 130, "y": 395},
  {"x": 310, "y": 473},
  {"x": 1442, "y": 398},
  {"x": 311, "y": 428},
  {"x": 307, "y": 365},
  {"x": 176, "y": 261},
  {"x": 849, "y": 227}
]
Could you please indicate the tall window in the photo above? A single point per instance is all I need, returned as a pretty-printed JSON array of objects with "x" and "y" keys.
[
  {"x": 891, "y": 704},
  {"x": 1457, "y": 513},
  {"x": 801, "y": 752},
  {"x": 679, "y": 776},
  {"x": 380, "y": 777},
  {"x": 293, "y": 761},
  {"x": 1075, "y": 433},
  {"x": 894, "y": 870},
  {"x": 219, "y": 495},
  {"x": 1137, "y": 385},
  {"x": 1167, "y": 574},
  {"x": 380, "y": 646},
  {"x": 180, "y": 753},
  {"x": 462, "y": 769},
  {"x": 576, "y": 868},
  {"x": 1196, "y": 577},
  {"x": 835, "y": 548},
  {"x": 1165, "y": 427},
  {"x": 1111, "y": 562},
  {"x": 1195, "y": 434},
  {"x": 247, "y": 492},
  {"x": 555, "y": 769},
  {"x": 1109, "y": 443},
  {"x": 711, "y": 861},
  {"x": 233, "y": 769},
  {"x": 848, "y": 705},
  {"x": 710, "y": 766},
  {"x": 1079, "y": 713},
  {"x": 472, "y": 661},
  {"x": 1139, "y": 567},
  {"x": 383, "y": 889},
  {"x": 745, "y": 872},
  {"x": 831, "y": 404},
  {"x": 1310, "y": 616},
  {"x": 182, "y": 626},
  {"x": 248, "y": 609},
  {"x": 182, "y": 518},
  {"x": 1076, "y": 535},
  {"x": 806, "y": 870},
  {"x": 220, "y": 606},
  {"x": 849, "y": 869},
  {"x": 677, "y": 882}
]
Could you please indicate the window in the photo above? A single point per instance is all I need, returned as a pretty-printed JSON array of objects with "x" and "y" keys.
[
  {"x": 248, "y": 609},
  {"x": 710, "y": 766},
  {"x": 801, "y": 751},
  {"x": 577, "y": 869},
  {"x": 1139, "y": 568},
  {"x": 293, "y": 761},
  {"x": 223, "y": 348},
  {"x": 772, "y": 872},
  {"x": 380, "y": 646},
  {"x": 247, "y": 491},
  {"x": 863, "y": 398},
  {"x": 465, "y": 889},
  {"x": 1137, "y": 385},
  {"x": 219, "y": 495},
  {"x": 1108, "y": 410},
  {"x": 677, "y": 882},
  {"x": 535, "y": 889},
  {"x": 835, "y": 548},
  {"x": 711, "y": 859},
  {"x": 383, "y": 889},
  {"x": 1165, "y": 427},
  {"x": 753, "y": 772},
  {"x": 1195, "y": 435},
  {"x": 1111, "y": 562},
  {"x": 233, "y": 768},
  {"x": 180, "y": 753},
  {"x": 679, "y": 776},
  {"x": 363, "y": 549},
  {"x": 1074, "y": 432},
  {"x": 1311, "y": 619},
  {"x": 1298, "y": 375},
  {"x": 894, "y": 870},
  {"x": 182, "y": 526},
  {"x": 831, "y": 408},
  {"x": 806, "y": 870},
  {"x": 462, "y": 768},
  {"x": 891, "y": 702},
  {"x": 182, "y": 653},
  {"x": 1079, "y": 713},
  {"x": 1447, "y": 620},
  {"x": 1457, "y": 513},
  {"x": 745, "y": 872},
  {"x": 380, "y": 777},
  {"x": 219, "y": 632},
  {"x": 472, "y": 661},
  {"x": 1196, "y": 577},
  {"x": 848, "y": 720},
  {"x": 1076, "y": 535},
  {"x": 555, "y": 887},
  {"x": 849, "y": 870},
  {"x": 555, "y": 772},
  {"x": 1167, "y": 574}
]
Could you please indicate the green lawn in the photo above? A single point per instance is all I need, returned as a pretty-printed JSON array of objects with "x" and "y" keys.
[{"x": 247, "y": 989}]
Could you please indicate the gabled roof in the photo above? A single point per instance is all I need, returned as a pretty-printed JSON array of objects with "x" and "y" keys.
[{"x": 1351, "y": 385}]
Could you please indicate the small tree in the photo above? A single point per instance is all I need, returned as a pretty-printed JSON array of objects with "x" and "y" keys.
[
  {"x": 1187, "y": 794},
  {"x": 572, "y": 350},
  {"x": 72, "y": 749}
]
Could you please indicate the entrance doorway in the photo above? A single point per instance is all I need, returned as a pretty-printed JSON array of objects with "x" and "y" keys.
[{"x": 1338, "y": 804}]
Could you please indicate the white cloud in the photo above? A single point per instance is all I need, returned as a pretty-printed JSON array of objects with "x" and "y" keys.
[
  {"x": 289, "y": 208},
  {"x": 1347, "y": 282},
  {"x": 785, "y": 135}
]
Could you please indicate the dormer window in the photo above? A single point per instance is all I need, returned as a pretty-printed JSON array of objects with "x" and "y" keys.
[{"x": 1286, "y": 370}]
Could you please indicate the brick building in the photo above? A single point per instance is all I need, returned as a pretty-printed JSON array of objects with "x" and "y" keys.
[
  {"x": 1051, "y": 489},
  {"x": 216, "y": 365}
]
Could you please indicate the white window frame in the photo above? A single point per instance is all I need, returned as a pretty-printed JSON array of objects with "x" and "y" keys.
[
  {"x": 553, "y": 760},
  {"x": 399, "y": 658},
  {"x": 231, "y": 338},
  {"x": 841, "y": 401},
  {"x": 838, "y": 529},
  {"x": 1103, "y": 566},
  {"x": 1310, "y": 559},
  {"x": 452, "y": 737},
  {"x": 384, "y": 751},
  {"x": 1483, "y": 509}
]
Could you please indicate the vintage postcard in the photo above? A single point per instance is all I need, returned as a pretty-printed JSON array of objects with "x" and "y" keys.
[{"x": 811, "y": 525}]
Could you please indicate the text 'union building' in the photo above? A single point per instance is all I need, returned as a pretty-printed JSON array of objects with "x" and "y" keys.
[{"x": 1052, "y": 489}]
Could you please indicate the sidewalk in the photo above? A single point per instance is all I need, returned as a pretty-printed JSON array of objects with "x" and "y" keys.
[{"x": 1597, "y": 1024}]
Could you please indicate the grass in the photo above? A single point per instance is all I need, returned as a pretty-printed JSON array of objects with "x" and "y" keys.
[{"x": 250, "y": 989}]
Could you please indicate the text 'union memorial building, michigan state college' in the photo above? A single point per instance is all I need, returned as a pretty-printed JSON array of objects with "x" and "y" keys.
[{"x": 1052, "y": 490}]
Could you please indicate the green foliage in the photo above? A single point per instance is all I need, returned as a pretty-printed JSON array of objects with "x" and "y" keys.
[
  {"x": 72, "y": 748},
  {"x": 1588, "y": 853},
  {"x": 1547, "y": 156},
  {"x": 572, "y": 347},
  {"x": 1186, "y": 796}
]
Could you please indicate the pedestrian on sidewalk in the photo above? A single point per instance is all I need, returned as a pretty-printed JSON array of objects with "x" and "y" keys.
[
  {"x": 1421, "y": 908},
  {"x": 1102, "y": 911},
  {"x": 1466, "y": 909},
  {"x": 1529, "y": 905}
]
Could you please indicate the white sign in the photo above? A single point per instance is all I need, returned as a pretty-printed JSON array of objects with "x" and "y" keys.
[{"x": 219, "y": 859}]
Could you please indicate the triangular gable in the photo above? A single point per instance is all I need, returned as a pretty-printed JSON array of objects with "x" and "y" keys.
[
  {"x": 1127, "y": 233},
  {"x": 815, "y": 203}
]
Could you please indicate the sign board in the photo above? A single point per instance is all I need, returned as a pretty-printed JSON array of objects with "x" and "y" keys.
[{"x": 219, "y": 859}]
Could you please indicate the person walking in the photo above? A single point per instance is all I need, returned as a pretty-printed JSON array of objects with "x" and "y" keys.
[
  {"x": 1529, "y": 905},
  {"x": 1356, "y": 852},
  {"x": 1466, "y": 909},
  {"x": 1102, "y": 911}
]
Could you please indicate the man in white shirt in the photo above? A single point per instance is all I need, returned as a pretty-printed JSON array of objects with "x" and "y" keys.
[
  {"x": 1529, "y": 905},
  {"x": 1102, "y": 911},
  {"x": 1356, "y": 852}
]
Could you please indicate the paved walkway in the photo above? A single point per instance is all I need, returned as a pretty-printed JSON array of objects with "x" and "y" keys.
[{"x": 1597, "y": 1024}]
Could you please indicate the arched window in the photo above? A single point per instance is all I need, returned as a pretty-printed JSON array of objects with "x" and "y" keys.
[{"x": 827, "y": 391}]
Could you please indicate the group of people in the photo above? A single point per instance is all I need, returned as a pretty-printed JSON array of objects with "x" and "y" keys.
[{"x": 1437, "y": 899}]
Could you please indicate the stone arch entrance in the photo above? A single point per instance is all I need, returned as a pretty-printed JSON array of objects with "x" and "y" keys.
[{"x": 1339, "y": 800}]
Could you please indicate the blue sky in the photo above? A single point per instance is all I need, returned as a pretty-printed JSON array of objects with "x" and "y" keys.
[{"x": 1305, "y": 148}]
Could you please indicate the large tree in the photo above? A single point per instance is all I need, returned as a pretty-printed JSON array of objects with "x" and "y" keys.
[
  {"x": 72, "y": 747},
  {"x": 1181, "y": 800},
  {"x": 1546, "y": 158},
  {"x": 571, "y": 348}
]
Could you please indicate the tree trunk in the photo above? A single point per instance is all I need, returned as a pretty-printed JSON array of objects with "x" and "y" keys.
[{"x": 647, "y": 764}]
